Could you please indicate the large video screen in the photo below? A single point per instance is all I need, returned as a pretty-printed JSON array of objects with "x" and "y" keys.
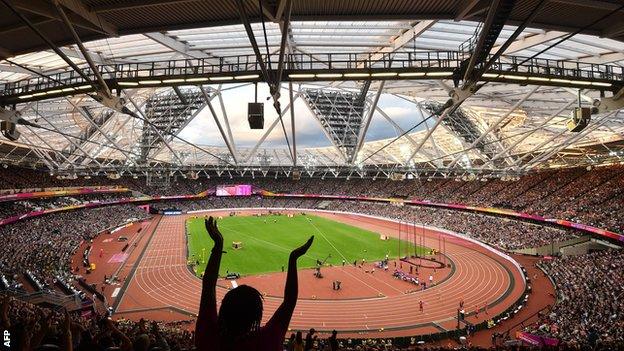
[{"x": 233, "y": 190}]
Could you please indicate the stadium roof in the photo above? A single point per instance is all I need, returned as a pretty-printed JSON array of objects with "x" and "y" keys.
[
  {"x": 96, "y": 19},
  {"x": 508, "y": 126}
]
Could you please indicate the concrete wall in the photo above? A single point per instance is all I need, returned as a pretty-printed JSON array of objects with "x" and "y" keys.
[
  {"x": 583, "y": 248},
  {"x": 547, "y": 250}
]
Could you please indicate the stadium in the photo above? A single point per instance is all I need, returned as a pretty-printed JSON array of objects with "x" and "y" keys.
[{"x": 311, "y": 175}]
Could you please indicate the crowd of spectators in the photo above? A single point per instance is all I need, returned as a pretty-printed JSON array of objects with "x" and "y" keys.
[
  {"x": 45, "y": 244},
  {"x": 589, "y": 298},
  {"x": 35, "y": 180},
  {"x": 501, "y": 232},
  {"x": 32, "y": 327},
  {"x": 590, "y": 196},
  {"x": 14, "y": 208},
  {"x": 497, "y": 231},
  {"x": 589, "y": 287}
]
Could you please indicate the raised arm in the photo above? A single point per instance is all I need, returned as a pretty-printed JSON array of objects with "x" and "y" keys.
[
  {"x": 44, "y": 327},
  {"x": 207, "y": 316},
  {"x": 281, "y": 317},
  {"x": 67, "y": 335},
  {"x": 126, "y": 343}
]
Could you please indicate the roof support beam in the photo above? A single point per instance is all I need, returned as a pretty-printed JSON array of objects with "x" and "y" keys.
[
  {"x": 602, "y": 59},
  {"x": 225, "y": 117},
  {"x": 405, "y": 37},
  {"x": 530, "y": 41},
  {"x": 30, "y": 151},
  {"x": 292, "y": 123},
  {"x": 70, "y": 140},
  {"x": 470, "y": 8},
  {"x": 284, "y": 27},
  {"x": 87, "y": 117},
  {"x": 176, "y": 45},
  {"x": 77, "y": 7},
  {"x": 228, "y": 142},
  {"x": 423, "y": 112},
  {"x": 43, "y": 37},
  {"x": 429, "y": 133},
  {"x": 99, "y": 59},
  {"x": 119, "y": 127},
  {"x": 401, "y": 130},
  {"x": 281, "y": 7},
  {"x": 14, "y": 69},
  {"x": 569, "y": 141},
  {"x": 6, "y": 156},
  {"x": 496, "y": 124},
  {"x": 43, "y": 156},
  {"x": 367, "y": 121},
  {"x": 83, "y": 17},
  {"x": 60, "y": 153},
  {"x": 526, "y": 135},
  {"x": 103, "y": 88},
  {"x": 481, "y": 42},
  {"x": 435, "y": 146},
  {"x": 268, "y": 14},
  {"x": 397, "y": 43}
]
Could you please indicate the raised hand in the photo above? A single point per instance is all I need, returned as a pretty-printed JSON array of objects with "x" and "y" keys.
[
  {"x": 282, "y": 316},
  {"x": 301, "y": 250},
  {"x": 213, "y": 231}
]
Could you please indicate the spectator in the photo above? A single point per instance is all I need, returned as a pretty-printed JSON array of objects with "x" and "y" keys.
[{"x": 237, "y": 326}]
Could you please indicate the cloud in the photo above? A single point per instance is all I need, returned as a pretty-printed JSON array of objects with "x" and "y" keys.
[{"x": 203, "y": 130}]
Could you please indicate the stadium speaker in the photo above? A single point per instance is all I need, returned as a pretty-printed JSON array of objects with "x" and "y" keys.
[
  {"x": 255, "y": 115},
  {"x": 9, "y": 130},
  {"x": 580, "y": 119},
  {"x": 296, "y": 175}
]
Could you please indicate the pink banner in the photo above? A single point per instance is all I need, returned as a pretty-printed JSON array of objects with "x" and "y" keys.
[
  {"x": 536, "y": 340},
  {"x": 118, "y": 258}
]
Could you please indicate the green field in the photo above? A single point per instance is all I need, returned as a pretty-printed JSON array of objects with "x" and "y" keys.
[{"x": 268, "y": 240}]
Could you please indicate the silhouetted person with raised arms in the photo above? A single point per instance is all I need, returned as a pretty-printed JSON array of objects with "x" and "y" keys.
[{"x": 237, "y": 326}]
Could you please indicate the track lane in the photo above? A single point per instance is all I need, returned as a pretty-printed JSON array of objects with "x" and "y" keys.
[{"x": 479, "y": 278}]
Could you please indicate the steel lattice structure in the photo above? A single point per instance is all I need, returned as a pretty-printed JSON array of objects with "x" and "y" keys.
[{"x": 336, "y": 74}]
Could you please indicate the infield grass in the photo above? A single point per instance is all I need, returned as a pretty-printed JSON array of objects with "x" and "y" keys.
[{"x": 268, "y": 240}]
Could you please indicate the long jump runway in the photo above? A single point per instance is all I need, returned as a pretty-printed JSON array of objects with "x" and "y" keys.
[{"x": 162, "y": 281}]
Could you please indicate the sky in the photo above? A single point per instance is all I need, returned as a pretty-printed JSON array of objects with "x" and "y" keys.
[{"x": 203, "y": 129}]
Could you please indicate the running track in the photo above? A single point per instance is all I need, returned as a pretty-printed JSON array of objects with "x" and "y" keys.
[{"x": 162, "y": 280}]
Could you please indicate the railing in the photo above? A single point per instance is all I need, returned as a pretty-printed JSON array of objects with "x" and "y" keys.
[
  {"x": 68, "y": 83},
  {"x": 229, "y": 64},
  {"x": 521, "y": 323},
  {"x": 469, "y": 44},
  {"x": 71, "y": 303}
]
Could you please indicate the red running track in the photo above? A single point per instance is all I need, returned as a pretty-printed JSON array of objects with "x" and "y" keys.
[{"x": 162, "y": 281}]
